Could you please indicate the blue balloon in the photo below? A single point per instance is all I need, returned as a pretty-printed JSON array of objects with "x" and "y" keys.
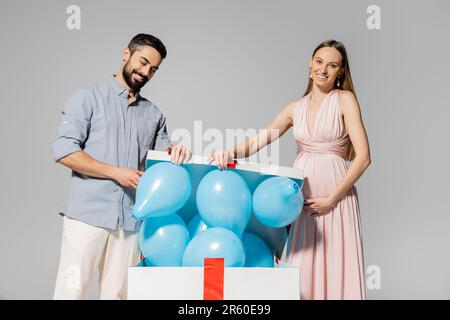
[
  {"x": 197, "y": 172},
  {"x": 188, "y": 211},
  {"x": 277, "y": 202},
  {"x": 196, "y": 225},
  {"x": 215, "y": 243},
  {"x": 257, "y": 253},
  {"x": 163, "y": 189},
  {"x": 275, "y": 238},
  {"x": 224, "y": 200},
  {"x": 163, "y": 240}
]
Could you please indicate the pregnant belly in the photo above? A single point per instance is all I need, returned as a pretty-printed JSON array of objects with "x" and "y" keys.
[{"x": 322, "y": 173}]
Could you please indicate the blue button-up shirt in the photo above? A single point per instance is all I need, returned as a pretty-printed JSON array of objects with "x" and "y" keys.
[{"x": 98, "y": 120}]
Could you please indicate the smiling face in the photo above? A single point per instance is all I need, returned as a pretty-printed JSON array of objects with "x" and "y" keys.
[
  {"x": 140, "y": 66},
  {"x": 326, "y": 67}
]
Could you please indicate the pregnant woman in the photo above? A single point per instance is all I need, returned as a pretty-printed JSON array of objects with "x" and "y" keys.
[{"x": 333, "y": 152}]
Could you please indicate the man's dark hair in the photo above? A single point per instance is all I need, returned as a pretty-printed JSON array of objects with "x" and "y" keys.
[{"x": 144, "y": 39}]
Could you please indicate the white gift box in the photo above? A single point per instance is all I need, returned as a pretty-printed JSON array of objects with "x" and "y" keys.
[
  {"x": 191, "y": 283},
  {"x": 188, "y": 283}
]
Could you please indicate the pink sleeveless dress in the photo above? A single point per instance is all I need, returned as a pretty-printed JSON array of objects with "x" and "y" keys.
[{"x": 327, "y": 248}]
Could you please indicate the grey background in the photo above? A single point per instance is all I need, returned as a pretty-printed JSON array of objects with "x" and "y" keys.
[{"x": 235, "y": 64}]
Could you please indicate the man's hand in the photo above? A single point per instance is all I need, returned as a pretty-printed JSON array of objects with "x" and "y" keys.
[
  {"x": 179, "y": 154},
  {"x": 127, "y": 177}
]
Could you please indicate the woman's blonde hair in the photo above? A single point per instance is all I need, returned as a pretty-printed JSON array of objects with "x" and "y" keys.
[{"x": 343, "y": 82}]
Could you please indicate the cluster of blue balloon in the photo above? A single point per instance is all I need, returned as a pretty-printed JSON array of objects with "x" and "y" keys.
[{"x": 224, "y": 204}]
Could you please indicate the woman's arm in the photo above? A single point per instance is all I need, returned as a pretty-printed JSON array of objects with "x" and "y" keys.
[
  {"x": 274, "y": 130},
  {"x": 353, "y": 122}
]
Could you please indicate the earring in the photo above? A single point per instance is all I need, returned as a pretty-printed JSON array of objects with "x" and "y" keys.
[{"x": 339, "y": 83}]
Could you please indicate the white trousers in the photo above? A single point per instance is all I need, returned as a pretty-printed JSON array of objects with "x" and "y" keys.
[{"x": 86, "y": 249}]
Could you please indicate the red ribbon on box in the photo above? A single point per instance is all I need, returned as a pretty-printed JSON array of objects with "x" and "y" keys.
[
  {"x": 213, "y": 278},
  {"x": 232, "y": 165}
]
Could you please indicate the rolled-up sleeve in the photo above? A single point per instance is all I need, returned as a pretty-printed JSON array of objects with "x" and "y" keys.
[
  {"x": 74, "y": 125},
  {"x": 162, "y": 140}
]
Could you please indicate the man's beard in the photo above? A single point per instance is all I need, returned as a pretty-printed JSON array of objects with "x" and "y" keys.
[{"x": 127, "y": 74}]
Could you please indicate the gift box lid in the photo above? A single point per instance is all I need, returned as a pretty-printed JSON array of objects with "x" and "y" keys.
[{"x": 253, "y": 173}]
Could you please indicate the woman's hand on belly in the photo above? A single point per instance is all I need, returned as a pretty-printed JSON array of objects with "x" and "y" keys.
[{"x": 319, "y": 206}]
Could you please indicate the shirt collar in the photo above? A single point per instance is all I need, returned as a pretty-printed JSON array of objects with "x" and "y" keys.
[{"x": 119, "y": 89}]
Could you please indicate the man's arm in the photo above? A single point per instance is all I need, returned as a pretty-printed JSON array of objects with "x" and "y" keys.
[
  {"x": 73, "y": 132},
  {"x": 162, "y": 139},
  {"x": 178, "y": 153},
  {"x": 83, "y": 163}
]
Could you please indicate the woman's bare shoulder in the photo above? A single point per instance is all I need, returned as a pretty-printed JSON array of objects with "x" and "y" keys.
[
  {"x": 290, "y": 107},
  {"x": 347, "y": 101},
  {"x": 346, "y": 95}
]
